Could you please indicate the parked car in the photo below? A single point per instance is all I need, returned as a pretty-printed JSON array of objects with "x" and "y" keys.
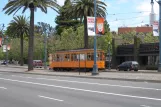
[
  {"x": 37, "y": 63},
  {"x": 4, "y": 62},
  {"x": 128, "y": 66}
]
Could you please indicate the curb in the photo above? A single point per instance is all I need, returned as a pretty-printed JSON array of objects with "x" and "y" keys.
[
  {"x": 90, "y": 77},
  {"x": 149, "y": 72},
  {"x": 16, "y": 67}
]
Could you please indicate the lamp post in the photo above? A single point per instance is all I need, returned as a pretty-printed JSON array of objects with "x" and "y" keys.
[
  {"x": 95, "y": 68},
  {"x": 109, "y": 56},
  {"x": 2, "y": 34},
  {"x": 159, "y": 2},
  {"x": 45, "y": 49},
  {"x": 6, "y": 50}
]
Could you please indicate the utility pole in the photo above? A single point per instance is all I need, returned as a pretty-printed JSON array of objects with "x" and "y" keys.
[
  {"x": 109, "y": 56},
  {"x": 159, "y": 68},
  {"x": 6, "y": 50},
  {"x": 45, "y": 49},
  {"x": 95, "y": 67}
]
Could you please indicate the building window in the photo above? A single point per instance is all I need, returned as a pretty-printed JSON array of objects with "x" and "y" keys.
[{"x": 153, "y": 60}]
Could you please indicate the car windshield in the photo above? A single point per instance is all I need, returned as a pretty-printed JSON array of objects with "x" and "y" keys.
[{"x": 134, "y": 62}]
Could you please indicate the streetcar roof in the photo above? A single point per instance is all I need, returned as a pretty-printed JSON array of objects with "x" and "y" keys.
[{"x": 78, "y": 50}]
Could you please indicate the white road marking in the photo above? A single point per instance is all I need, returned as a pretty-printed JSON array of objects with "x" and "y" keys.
[
  {"x": 144, "y": 106},
  {"x": 3, "y": 88},
  {"x": 143, "y": 88},
  {"x": 50, "y": 98},
  {"x": 84, "y": 90}
]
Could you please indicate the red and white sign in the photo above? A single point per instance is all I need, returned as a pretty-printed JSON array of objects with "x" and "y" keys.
[
  {"x": 156, "y": 28},
  {"x": 90, "y": 26}
]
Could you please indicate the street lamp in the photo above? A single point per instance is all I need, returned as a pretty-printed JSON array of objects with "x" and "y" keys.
[
  {"x": 95, "y": 67},
  {"x": 159, "y": 2},
  {"x": 109, "y": 56},
  {"x": 44, "y": 29},
  {"x": 2, "y": 33},
  {"x": 6, "y": 50}
]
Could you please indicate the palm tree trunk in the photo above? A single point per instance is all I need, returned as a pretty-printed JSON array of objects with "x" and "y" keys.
[
  {"x": 31, "y": 41},
  {"x": 21, "y": 43},
  {"x": 85, "y": 33}
]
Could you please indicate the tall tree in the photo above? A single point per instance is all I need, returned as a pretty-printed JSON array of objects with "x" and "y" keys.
[
  {"x": 83, "y": 8},
  {"x": 65, "y": 22},
  {"x": 19, "y": 27},
  {"x": 15, "y": 5}
]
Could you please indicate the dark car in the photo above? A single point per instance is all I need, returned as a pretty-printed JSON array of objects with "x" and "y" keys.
[
  {"x": 128, "y": 66},
  {"x": 4, "y": 62}
]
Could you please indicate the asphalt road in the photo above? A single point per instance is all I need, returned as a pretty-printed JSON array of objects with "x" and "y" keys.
[{"x": 25, "y": 90}]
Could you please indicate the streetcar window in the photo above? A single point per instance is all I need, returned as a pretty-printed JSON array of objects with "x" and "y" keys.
[
  {"x": 57, "y": 57},
  {"x": 102, "y": 56},
  {"x": 67, "y": 57},
  {"x": 92, "y": 56},
  {"x": 61, "y": 57},
  {"x": 74, "y": 57},
  {"x": 98, "y": 56},
  {"x": 54, "y": 57},
  {"x": 82, "y": 57},
  {"x": 89, "y": 56}
]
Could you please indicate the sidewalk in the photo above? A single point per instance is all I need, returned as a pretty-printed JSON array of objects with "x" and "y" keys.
[{"x": 149, "y": 76}]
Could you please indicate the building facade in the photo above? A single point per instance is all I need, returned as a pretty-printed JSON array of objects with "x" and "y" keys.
[{"x": 148, "y": 54}]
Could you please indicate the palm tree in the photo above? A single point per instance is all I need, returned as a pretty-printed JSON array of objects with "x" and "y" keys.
[
  {"x": 15, "y": 5},
  {"x": 83, "y": 8},
  {"x": 19, "y": 27}
]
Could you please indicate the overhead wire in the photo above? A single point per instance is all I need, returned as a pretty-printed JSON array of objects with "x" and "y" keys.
[
  {"x": 127, "y": 18},
  {"x": 129, "y": 13}
]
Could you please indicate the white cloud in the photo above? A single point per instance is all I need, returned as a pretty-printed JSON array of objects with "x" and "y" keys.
[
  {"x": 115, "y": 24},
  {"x": 61, "y": 2},
  {"x": 146, "y": 6},
  {"x": 122, "y": 1}
]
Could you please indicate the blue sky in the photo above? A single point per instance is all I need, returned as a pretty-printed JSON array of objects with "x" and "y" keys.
[{"x": 121, "y": 13}]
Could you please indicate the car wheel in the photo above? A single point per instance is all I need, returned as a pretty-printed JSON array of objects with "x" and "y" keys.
[
  {"x": 136, "y": 70},
  {"x": 128, "y": 69}
]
